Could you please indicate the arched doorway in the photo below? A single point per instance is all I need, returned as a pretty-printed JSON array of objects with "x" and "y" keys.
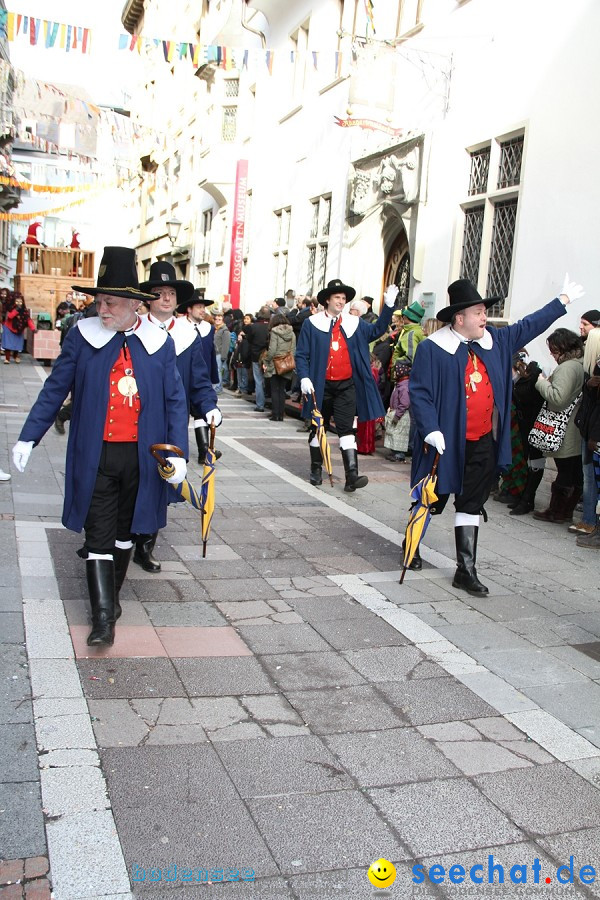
[{"x": 397, "y": 268}]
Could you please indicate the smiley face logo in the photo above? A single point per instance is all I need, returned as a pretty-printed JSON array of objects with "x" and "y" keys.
[{"x": 381, "y": 873}]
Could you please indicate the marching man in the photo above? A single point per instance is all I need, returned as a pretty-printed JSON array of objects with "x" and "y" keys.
[
  {"x": 332, "y": 360},
  {"x": 127, "y": 395},
  {"x": 167, "y": 292}
]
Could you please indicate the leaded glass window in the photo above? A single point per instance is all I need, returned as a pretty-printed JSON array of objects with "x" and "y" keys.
[
  {"x": 471, "y": 251},
  {"x": 511, "y": 157},
  {"x": 503, "y": 237},
  {"x": 480, "y": 167}
]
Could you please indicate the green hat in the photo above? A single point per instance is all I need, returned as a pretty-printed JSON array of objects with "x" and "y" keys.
[{"x": 414, "y": 312}]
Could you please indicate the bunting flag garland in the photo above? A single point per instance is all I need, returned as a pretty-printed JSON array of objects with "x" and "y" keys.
[
  {"x": 53, "y": 188},
  {"x": 25, "y": 217},
  {"x": 38, "y": 31}
]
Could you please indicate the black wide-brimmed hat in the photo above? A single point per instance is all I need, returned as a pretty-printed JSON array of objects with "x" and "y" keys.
[
  {"x": 462, "y": 294},
  {"x": 191, "y": 301},
  {"x": 336, "y": 287},
  {"x": 117, "y": 276},
  {"x": 163, "y": 274}
]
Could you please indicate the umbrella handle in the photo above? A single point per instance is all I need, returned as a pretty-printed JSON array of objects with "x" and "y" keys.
[
  {"x": 173, "y": 450},
  {"x": 211, "y": 441}
]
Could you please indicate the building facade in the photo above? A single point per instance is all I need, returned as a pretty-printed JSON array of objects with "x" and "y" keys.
[{"x": 414, "y": 142}]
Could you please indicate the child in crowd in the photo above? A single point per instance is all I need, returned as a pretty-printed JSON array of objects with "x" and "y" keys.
[{"x": 397, "y": 422}]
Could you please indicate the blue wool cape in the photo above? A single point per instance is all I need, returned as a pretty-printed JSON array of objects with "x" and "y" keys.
[
  {"x": 312, "y": 353},
  {"x": 84, "y": 370},
  {"x": 437, "y": 393}
]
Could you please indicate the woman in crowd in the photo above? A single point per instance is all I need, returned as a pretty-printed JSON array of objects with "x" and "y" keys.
[
  {"x": 13, "y": 331},
  {"x": 528, "y": 402},
  {"x": 588, "y": 422},
  {"x": 559, "y": 391},
  {"x": 282, "y": 341}
]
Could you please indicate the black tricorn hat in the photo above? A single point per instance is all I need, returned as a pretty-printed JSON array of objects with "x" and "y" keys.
[
  {"x": 117, "y": 276},
  {"x": 462, "y": 294},
  {"x": 336, "y": 287},
  {"x": 162, "y": 274},
  {"x": 191, "y": 301}
]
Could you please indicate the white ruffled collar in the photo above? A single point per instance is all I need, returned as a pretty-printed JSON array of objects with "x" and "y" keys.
[
  {"x": 447, "y": 339},
  {"x": 323, "y": 321},
  {"x": 98, "y": 336}
]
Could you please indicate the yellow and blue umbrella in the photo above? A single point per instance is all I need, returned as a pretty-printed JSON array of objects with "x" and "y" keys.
[
  {"x": 207, "y": 491},
  {"x": 423, "y": 496},
  {"x": 318, "y": 422}
]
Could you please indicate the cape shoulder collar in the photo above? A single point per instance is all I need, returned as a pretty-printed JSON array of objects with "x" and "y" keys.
[
  {"x": 184, "y": 334},
  {"x": 95, "y": 334},
  {"x": 323, "y": 322},
  {"x": 203, "y": 328},
  {"x": 447, "y": 339}
]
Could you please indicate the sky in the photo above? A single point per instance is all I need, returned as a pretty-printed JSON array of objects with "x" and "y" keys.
[{"x": 104, "y": 73}]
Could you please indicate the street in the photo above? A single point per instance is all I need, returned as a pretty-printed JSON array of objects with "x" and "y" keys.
[{"x": 283, "y": 713}]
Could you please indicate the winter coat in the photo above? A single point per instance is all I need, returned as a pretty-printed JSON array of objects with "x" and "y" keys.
[
  {"x": 312, "y": 354},
  {"x": 437, "y": 392},
  {"x": 588, "y": 415},
  {"x": 222, "y": 341},
  {"x": 258, "y": 338},
  {"x": 83, "y": 368},
  {"x": 559, "y": 391},
  {"x": 409, "y": 339},
  {"x": 400, "y": 399},
  {"x": 282, "y": 340}
]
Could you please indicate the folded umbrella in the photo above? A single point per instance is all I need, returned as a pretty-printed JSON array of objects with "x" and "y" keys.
[
  {"x": 208, "y": 489},
  {"x": 423, "y": 496},
  {"x": 185, "y": 490},
  {"x": 318, "y": 422}
]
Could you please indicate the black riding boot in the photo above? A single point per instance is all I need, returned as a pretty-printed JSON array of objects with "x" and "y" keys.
[
  {"x": 100, "y": 575},
  {"x": 201, "y": 432},
  {"x": 527, "y": 499},
  {"x": 144, "y": 545},
  {"x": 353, "y": 479},
  {"x": 316, "y": 466},
  {"x": 465, "y": 577},
  {"x": 417, "y": 563},
  {"x": 121, "y": 558}
]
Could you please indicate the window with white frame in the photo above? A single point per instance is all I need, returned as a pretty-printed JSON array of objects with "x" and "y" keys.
[
  {"x": 298, "y": 58},
  {"x": 207, "y": 217},
  {"x": 490, "y": 218},
  {"x": 202, "y": 276},
  {"x": 280, "y": 253},
  {"x": 231, "y": 92},
  {"x": 318, "y": 243}
]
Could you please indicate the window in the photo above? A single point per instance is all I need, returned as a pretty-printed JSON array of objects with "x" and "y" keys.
[
  {"x": 232, "y": 87},
  {"x": 490, "y": 218},
  {"x": 202, "y": 277},
  {"x": 299, "y": 55},
  {"x": 280, "y": 253},
  {"x": 229, "y": 123},
  {"x": 207, "y": 217},
  {"x": 318, "y": 243}
]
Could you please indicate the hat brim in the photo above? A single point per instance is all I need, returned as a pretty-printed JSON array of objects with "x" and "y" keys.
[
  {"x": 445, "y": 314},
  {"x": 183, "y": 289},
  {"x": 324, "y": 295},
  {"x": 127, "y": 293},
  {"x": 192, "y": 301}
]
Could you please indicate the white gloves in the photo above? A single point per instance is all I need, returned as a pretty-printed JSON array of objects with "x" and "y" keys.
[
  {"x": 436, "y": 439},
  {"x": 180, "y": 467},
  {"x": 306, "y": 386},
  {"x": 391, "y": 292},
  {"x": 21, "y": 453},
  {"x": 571, "y": 290},
  {"x": 214, "y": 415}
]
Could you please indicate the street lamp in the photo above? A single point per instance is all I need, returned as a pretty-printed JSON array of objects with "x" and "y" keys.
[{"x": 173, "y": 228}]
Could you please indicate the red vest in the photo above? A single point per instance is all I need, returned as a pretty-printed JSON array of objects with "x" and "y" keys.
[
  {"x": 480, "y": 399},
  {"x": 339, "y": 366},
  {"x": 123, "y": 411}
]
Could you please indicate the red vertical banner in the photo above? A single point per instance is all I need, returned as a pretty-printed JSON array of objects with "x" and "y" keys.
[{"x": 236, "y": 262}]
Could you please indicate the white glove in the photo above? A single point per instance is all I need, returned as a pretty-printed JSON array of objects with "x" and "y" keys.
[
  {"x": 214, "y": 415},
  {"x": 21, "y": 453},
  {"x": 391, "y": 292},
  {"x": 571, "y": 290},
  {"x": 436, "y": 439},
  {"x": 180, "y": 467},
  {"x": 306, "y": 386}
]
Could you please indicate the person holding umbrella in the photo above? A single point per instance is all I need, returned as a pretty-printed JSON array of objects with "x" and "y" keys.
[
  {"x": 460, "y": 392},
  {"x": 332, "y": 362},
  {"x": 168, "y": 292},
  {"x": 127, "y": 395}
]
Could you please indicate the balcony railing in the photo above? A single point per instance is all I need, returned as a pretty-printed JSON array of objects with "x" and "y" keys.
[{"x": 55, "y": 261}]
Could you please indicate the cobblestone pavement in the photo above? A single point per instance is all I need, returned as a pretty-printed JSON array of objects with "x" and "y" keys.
[{"x": 284, "y": 706}]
